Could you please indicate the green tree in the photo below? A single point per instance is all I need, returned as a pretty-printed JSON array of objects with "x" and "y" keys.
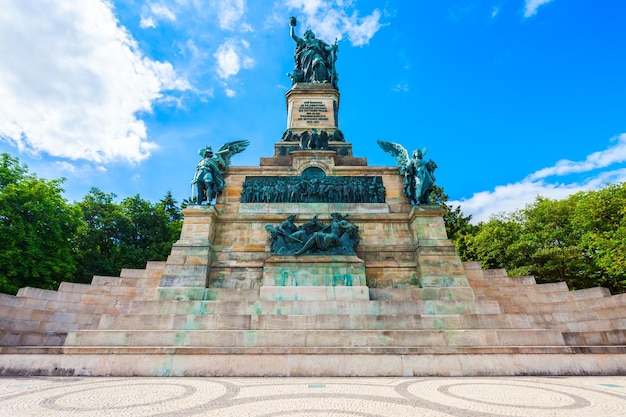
[
  {"x": 37, "y": 230},
  {"x": 580, "y": 240},
  {"x": 154, "y": 228},
  {"x": 125, "y": 235},
  {"x": 99, "y": 242},
  {"x": 490, "y": 242},
  {"x": 600, "y": 221},
  {"x": 549, "y": 247},
  {"x": 175, "y": 221}
]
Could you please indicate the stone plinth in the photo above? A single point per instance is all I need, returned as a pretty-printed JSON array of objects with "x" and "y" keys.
[
  {"x": 187, "y": 268},
  {"x": 312, "y": 106},
  {"x": 438, "y": 265},
  {"x": 343, "y": 154},
  {"x": 314, "y": 278}
]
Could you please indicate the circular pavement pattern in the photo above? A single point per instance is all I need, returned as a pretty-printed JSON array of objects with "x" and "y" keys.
[{"x": 314, "y": 397}]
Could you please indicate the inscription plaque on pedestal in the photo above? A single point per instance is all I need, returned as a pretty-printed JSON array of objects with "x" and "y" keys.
[{"x": 312, "y": 107}]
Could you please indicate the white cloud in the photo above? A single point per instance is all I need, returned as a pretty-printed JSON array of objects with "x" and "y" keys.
[
  {"x": 154, "y": 12},
  {"x": 510, "y": 197},
  {"x": 531, "y": 6},
  {"x": 231, "y": 58},
  {"x": 162, "y": 11},
  {"x": 229, "y": 13},
  {"x": 76, "y": 82},
  {"x": 147, "y": 22},
  {"x": 602, "y": 159},
  {"x": 401, "y": 87},
  {"x": 230, "y": 92},
  {"x": 332, "y": 20}
]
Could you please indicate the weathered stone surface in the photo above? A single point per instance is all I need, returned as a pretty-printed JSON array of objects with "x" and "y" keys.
[{"x": 223, "y": 305}]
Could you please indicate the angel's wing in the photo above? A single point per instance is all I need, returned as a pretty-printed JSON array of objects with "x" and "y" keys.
[
  {"x": 234, "y": 147},
  {"x": 229, "y": 149},
  {"x": 399, "y": 152}
]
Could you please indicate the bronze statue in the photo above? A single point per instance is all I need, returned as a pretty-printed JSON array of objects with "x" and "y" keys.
[
  {"x": 338, "y": 238},
  {"x": 302, "y": 189},
  {"x": 208, "y": 177},
  {"x": 315, "y": 59},
  {"x": 418, "y": 174}
]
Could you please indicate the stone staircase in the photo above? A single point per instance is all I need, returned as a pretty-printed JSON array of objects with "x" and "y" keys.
[
  {"x": 498, "y": 325},
  {"x": 588, "y": 317}
]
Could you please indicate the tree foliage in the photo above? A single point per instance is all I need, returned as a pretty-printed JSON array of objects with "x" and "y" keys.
[
  {"x": 125, "y": 235},
  {"x": 45, "y": 240},
  {"x": 37, "y": 230},
  {"x": 580, "y": 240}
]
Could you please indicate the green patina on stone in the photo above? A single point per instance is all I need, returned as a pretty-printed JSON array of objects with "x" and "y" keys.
[
  {"x": 180, "y": 338},
  {"x": 250, "y": 338},
  {"x": 191, "y": 324},
  {"x": 166, "y": 367},
  {"x": 257, "y": 308}
]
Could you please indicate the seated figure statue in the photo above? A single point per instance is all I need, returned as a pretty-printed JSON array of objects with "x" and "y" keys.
[{"x": 338, "y": 238}]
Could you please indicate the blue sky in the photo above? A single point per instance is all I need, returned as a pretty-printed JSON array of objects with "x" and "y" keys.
[{"x": 512, "y": 98}]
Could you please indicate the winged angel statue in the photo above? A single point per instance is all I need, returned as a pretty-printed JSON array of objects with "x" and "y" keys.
[
  {"x": 418, "y": 174},
  {"x": 208, "y": 178}
]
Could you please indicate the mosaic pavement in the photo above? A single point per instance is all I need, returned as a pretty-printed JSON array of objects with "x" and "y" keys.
[{"x": 314, "y": 397}]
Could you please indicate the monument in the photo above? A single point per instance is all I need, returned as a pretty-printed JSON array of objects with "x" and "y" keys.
[{"x": 312, "y": 263}]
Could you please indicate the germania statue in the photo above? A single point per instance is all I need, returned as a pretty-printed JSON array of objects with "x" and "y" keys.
[
  {"x": 314, "y": 58},
  {"x": 208, "y": 178}
]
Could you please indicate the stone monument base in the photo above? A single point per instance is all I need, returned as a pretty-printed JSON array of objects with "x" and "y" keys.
[{"x": 314, "y": 278}]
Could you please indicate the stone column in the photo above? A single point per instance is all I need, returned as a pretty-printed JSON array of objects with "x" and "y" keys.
[
  {"x": 187, "y": 268},
  {"x": 438, "y": 264}
]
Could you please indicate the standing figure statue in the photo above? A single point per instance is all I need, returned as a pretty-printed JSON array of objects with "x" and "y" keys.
[
  {"x": 208, "y": 178},
  {"x": 419, "y": 178},
  {"x": 315, "y": 59}
]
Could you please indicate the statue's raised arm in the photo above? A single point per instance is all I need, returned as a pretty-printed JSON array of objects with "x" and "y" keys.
[{"x": 292, "y": 24}]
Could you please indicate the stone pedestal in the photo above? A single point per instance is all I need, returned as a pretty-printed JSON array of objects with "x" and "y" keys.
[
  {"x": 314, "y": 278},
  {"x": 438, "y": 265},
  {"x": 187, "y": 268},
  {"x": 312, "y": 106}
]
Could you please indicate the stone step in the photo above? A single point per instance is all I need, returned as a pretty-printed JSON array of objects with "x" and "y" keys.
[
  {"x": 498, "y": 281},
  {"x": 515, "y": 290},
  {"x": 128, "y": 291},
  {"x": 314, "y": 352},
  {"x": 317, "y": 322},
  {"x": 314, "y": 307},
  {"x": 47, "y": 295},
  {"x": 525, "y": 305},
  {"x": 595, "y": 338},
  {"x": 314, "y": 293},
  {"x": 386, "y": 294},
  {"x": 313, "y": 362},
  {"x": 413, "y": 293},
  {"x": 31, "y": 338},
  {"x": 7, "y": 300},
  {"x": 231, "y": 294},
  {"x": 316, "y": 338}
]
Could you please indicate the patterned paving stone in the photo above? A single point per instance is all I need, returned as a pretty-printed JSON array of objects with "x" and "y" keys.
[{"x": 314, "y": 397}]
